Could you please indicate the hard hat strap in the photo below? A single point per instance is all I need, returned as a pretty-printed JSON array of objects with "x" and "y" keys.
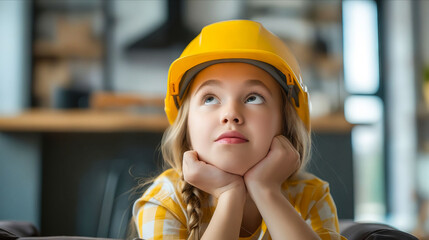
[{"x": 292, "y": 92}]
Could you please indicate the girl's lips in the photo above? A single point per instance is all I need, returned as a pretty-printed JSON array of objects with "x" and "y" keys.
[
  {"x": 232, "y": 137},
  {"x": 231, "y": 140}
]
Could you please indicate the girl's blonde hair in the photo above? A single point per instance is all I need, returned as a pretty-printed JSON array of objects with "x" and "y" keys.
[{"x": 175, "y": 143}]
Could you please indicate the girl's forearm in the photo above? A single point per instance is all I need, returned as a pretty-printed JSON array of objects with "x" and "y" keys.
[
  {"x": 226, "y": 220},
  {"x": 281, "y": 218}
]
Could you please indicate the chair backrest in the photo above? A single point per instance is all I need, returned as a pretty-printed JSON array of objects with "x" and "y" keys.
[
  {"x": 374, "y": 231},
  {"x": 106, "y": 198}
]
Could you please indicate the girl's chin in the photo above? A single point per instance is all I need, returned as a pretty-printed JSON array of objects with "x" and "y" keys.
[
  {"x": 238, "y": 169},
  {"x": 229, "y": 163}
]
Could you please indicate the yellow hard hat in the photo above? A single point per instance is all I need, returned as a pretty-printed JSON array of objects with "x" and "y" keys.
[{"x": 237, "y": 40}]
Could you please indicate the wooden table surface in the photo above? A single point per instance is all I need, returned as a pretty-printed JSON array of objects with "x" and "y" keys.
[{"x": 49, "y": 120}]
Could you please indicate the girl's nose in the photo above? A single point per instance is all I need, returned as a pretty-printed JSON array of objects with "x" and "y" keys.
[{"x": 232, "y": 115}]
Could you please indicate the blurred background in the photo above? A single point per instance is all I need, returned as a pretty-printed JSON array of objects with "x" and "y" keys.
[{"x": 81, "y": 103}]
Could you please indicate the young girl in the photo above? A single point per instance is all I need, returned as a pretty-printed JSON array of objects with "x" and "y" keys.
[{"x": 237, "y": 145}]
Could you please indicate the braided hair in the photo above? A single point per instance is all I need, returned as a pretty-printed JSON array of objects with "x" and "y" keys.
[{"x": 175, "y": 142}]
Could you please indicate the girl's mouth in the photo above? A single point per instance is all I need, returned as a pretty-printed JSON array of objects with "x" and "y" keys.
[{"x": 231, "y": 137}]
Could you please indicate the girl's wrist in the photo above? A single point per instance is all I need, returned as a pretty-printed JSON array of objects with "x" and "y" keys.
[
  {"x": 265, "y": 194},
  {"x": 234, "y": 194},
  {"x": 255, "y": 187}
]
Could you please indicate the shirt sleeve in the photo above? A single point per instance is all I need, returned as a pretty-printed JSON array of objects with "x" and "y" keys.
[
  {"x": 159, "y": 213},
  {"x": 323, "y": 215},
  {"x": 155, "y": 222}
]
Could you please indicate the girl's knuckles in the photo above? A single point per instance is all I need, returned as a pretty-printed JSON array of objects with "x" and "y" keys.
[{"x": 190, "y": 175}]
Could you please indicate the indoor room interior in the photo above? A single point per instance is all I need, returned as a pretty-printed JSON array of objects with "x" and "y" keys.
[{"x": 82, "y": 88}]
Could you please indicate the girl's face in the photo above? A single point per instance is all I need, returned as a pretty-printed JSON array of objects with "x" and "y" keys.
[{"x": 234, "y": 113}]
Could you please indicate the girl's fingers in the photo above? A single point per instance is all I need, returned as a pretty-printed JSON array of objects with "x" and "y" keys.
[
  {"x": 195, "y": 169},
  {"x": 190, "y": 156},
  {"x": 205, "y": 176},
  {"x": 278, "y": 147},
  {"x": 283, "y": 155},
  {"x": 281, "y": 142},
  {"x": 276, "y": 143},
  {"x": 191, "y": 166},
  {"x": 290, "y": 151},
  {"x": 285, "y": 143}
]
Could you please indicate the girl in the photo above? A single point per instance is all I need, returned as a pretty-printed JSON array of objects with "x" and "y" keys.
[{"x": 237, "y": 145}]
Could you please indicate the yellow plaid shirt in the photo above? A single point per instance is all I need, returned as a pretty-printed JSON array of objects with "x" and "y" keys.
[{"x": 161, "y": 212}]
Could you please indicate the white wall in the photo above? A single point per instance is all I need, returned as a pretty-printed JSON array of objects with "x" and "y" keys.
[
  {"x": 15, "y": 55},
  {"x": 20, "y": 173},
  {"x": 400, "y": 96}
]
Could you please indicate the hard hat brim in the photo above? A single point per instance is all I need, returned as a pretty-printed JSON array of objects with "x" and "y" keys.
[{"x": 182, "y": 64}]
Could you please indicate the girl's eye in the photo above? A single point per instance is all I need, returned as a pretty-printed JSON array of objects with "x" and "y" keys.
[
  {"x": 255, "y": 99},
  {"x": 210, "y": 100}
]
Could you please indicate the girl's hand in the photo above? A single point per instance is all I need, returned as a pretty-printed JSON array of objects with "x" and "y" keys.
[
  {"x": 209, "y": 178},
  {"x": 280, "y": 163}
]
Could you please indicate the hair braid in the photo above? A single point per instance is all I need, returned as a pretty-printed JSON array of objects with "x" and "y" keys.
[{"x": 192, "y": 197}]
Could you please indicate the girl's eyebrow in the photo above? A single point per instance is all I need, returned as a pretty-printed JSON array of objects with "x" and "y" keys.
[
  {"x": 251, "y": 82},
  {"x": 211, "y": 82},
  {"x": 255, "y": 82}
]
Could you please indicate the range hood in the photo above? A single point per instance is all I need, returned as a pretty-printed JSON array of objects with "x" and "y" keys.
[{"x": 171, "y": 33}]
